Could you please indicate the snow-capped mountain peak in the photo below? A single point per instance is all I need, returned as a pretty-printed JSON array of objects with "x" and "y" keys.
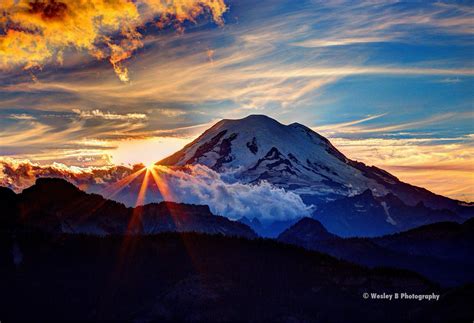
[
  {"x": 289, "y": 156},
  {"x": 296, "y": 158}
]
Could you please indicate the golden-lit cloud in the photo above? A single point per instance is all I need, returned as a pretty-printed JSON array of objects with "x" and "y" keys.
[
  {"x": 41, "y": 31},
  {"x": 442, "y": 165},
  {"x": 110, "y": 139},
  {"x": 146, "y": 151}
]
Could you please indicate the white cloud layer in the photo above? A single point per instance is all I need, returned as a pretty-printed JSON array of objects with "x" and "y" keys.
[
  {"x": 96, "y": 113},
  {"x": 193, "y": 184},
  {"x": 225, "y": 196}
]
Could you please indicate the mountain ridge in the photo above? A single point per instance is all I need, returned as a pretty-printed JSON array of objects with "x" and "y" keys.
[
  {"x": 440, "y": 251},
  {"x": 55, "y": 205},
  {"x": 201, "y": 278}
]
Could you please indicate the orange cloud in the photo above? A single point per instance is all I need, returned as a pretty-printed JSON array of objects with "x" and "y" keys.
[
  {"x": 442, "y": 165},
  {"x": 33, "y": 33}
]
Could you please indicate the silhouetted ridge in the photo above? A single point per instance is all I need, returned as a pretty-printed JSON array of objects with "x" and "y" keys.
[
  {"x": 306, "y": 230},
  {"x": 440, "y": 251},
  {"x": 192, "y": 277},
  {"x": 55, "y": 205}
]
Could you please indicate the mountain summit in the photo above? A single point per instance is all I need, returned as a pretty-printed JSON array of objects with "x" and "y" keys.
[
  {"x": 290, "y": 156},
  {"x": 298, "y": 159}
]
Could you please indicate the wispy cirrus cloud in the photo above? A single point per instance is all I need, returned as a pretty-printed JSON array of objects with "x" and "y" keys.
[
  {"x": 356, "y": 127},
  {"x": 93, "y": 137},
  {"x": 442, "y": 165},
  {"x": 428, "y": 160},
  {"x": 366, "y": 22},
  {"x": 315, "y": 43},
  {"x": 338, "y": 127},
  {"x": 86, "y": 114},
  {"x": 450, "y": 80},
  {"x": 21, "y": 116}
]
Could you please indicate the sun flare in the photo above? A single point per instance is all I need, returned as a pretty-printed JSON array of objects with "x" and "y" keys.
[
  {"x": 147, "y": 151},
  {"x": 150, "y": 167}
]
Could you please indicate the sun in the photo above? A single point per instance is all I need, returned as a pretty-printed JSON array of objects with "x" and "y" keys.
[
  {"x": 147, "y": 151},
  {"x": 150, "y": 167}
]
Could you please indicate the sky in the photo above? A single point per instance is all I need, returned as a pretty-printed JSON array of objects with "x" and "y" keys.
[{"x": 93, "y": 83}]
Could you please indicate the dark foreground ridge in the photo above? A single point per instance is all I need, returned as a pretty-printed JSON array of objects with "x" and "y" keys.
[
  {"x": 196, "y": 277},
  {"x": 440, "y": 251},
  {"x": 57, "y": 206},
  {"x": 64, "y": 255}
]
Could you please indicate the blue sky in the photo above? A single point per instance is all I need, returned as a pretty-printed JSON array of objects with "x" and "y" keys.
[{"x": 391, "y": 83}]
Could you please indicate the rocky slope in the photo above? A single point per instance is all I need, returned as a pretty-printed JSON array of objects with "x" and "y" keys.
[{"x": 369, "y": 215}]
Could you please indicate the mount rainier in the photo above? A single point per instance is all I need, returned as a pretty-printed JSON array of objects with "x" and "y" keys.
[{"x": 294, "y": 157}]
